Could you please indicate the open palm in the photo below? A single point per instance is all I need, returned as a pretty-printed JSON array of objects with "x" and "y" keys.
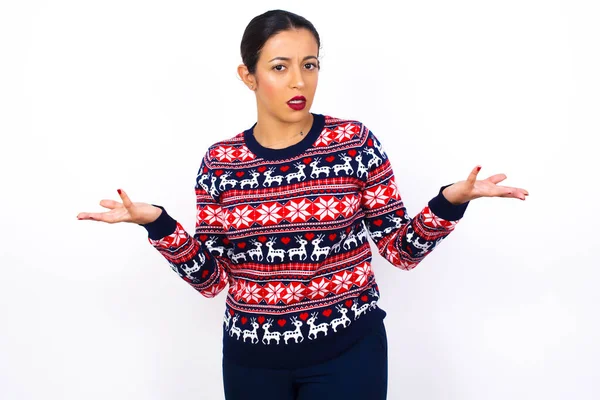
[
  {"x": 471, "y": 189},
  {"x": 127, "y": 211}
]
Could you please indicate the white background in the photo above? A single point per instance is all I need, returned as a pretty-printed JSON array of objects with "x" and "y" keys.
[{"x": 96, "y": 96}]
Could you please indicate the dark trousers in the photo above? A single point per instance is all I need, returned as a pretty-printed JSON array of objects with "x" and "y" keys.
[{"x": 361, "y": 372}]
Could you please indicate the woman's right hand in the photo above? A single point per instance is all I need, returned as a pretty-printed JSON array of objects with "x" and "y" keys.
[{"x": 127, "y": 211}]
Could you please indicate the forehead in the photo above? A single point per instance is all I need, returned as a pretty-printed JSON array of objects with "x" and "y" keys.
[{"x": 290, "y": 43}]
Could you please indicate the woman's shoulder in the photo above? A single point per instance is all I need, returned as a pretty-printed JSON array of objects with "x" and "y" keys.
[
  {"x": 231, "y": 141},
  {"x": 336, "y": 121},
  {"x": 347, "y": 129},
  {"x": 230, "y": 149}
]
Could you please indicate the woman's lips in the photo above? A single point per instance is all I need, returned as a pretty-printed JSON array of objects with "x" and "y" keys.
[{"x": 297, "y": 103}]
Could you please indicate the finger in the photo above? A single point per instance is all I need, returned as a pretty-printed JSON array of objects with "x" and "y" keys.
[
  {"x": 126, "y": 201},
  {"x": 94, "y": 217},
  {"x": 110, "y": 204},
  {"x": 511, "y": 192},
  {"x": 496, "y": 178},
  {"x": 473, "y": 175},
  {"x": 518, "y": 193},
  {"x": 522, "y": 193}
]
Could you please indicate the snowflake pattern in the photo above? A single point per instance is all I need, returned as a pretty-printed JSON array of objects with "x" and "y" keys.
[
  {"x": 376, "y": 197},
  {"x": 289, "y": 239}
]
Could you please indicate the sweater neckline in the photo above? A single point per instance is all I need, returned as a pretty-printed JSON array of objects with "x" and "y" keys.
[{"x": 286, "y": 152}]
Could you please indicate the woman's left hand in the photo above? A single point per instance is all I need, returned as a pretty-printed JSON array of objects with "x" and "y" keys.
[{"x": 471, "y": 189}]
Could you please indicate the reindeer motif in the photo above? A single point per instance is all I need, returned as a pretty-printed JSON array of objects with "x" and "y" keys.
[
  {"x": 274, "y": 252},
  {"x": 423, "y": 247},
  {"x": 351, "y": 238},
  {"x": 300, "y": 176},
  {"x": 362, "y": 235},
  {"x": 296, "y": 334},
  {"x": 336, "y": 246},
  {"x": 319, "y": 251},
  {"x": 226, "y": 181},
  {"x": 201, "y": 182},
  {"x": 251, "y": 333},
  {"x": 234, "y": 329},
  {"x": 226, "y": 320},
  {"x": 253, "y": 182},
  {"x": 376, "y": 234},
  {"x": 362, "y": 170},
  {"x": 346, "y": 166},
  {"x": 235, "y": 257},
  {"x": 398, "y": 221},
  {"x": 397, "y": 224},
  {"x": 379, "y": 148},
  {"x": 190, "y": 270},
  {"x": 314, "y": 329},
  {"x": 213, "y": 187},
  {"x": 210, "y": 244},
  {"x": 359, "y": 311},
  {"x": 341, "y": 320},
  {"x": 375, "y": 159},
  {"x": 375, "y": 295},
  {"x": 316, "y": 171},
  {"x": 270, "y": 179},
  {"x": 256, "y": 251},
  {"x": 268, "y": 336},
  {"x": 300, "y": 251}
]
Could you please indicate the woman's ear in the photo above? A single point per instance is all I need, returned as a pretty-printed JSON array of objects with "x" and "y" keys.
[{"x": 246, "y": 76}]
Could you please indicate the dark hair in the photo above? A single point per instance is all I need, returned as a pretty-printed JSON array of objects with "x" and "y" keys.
[{"x": 263, "y": 26}]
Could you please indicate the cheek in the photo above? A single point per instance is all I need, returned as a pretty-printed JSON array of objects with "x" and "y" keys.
[
  {"x": 313, "y": 84},
  {"x": 270, "y": 88}
]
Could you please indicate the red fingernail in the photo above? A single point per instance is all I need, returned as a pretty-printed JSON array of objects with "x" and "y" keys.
[
  {"x": 478, "y": 168},
  {"x": 119, "y": 190}
]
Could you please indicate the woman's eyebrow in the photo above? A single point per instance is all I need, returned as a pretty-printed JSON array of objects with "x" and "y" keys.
[{"x": 288, "y": 59}]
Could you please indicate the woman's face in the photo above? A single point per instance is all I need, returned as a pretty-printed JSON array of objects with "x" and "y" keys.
[{"x": 287, "y": 67}]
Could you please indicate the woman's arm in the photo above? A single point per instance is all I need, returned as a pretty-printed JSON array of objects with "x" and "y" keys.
[
  {"x": 201, "y": 259},
  {"x": 403, "y": 240}
]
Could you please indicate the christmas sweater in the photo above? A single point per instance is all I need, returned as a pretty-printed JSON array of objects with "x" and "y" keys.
[{"x": 287, "y": 230}]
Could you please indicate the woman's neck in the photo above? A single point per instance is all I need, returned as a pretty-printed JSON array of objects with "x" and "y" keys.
[{"x": 276, "y": 134}]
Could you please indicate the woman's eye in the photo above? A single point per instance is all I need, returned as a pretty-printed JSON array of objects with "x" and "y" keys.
[{"x": 280, "y": 67}]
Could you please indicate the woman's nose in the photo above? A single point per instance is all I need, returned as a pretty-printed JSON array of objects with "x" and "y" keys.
[{"x": 297, "y": 80}]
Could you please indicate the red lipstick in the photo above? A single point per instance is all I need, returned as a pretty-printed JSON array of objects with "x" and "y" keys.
[{"x": 297, "y": 103}]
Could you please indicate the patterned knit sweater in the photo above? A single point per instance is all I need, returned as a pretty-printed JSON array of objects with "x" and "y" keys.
[{"x": 287, "y": 230}]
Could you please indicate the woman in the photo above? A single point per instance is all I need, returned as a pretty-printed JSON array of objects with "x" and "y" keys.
[{"x": 284, "y": 211}]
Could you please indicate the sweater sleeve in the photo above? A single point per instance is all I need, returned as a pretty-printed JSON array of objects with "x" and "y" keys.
[
  {"x": 202, "y": 259},
  {"x": 402, "y": 240}
]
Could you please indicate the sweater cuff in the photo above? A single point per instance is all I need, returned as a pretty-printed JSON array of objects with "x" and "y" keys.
[
  {"x": 441, "y": 207},
  {"x": 164, "y": 225}
]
